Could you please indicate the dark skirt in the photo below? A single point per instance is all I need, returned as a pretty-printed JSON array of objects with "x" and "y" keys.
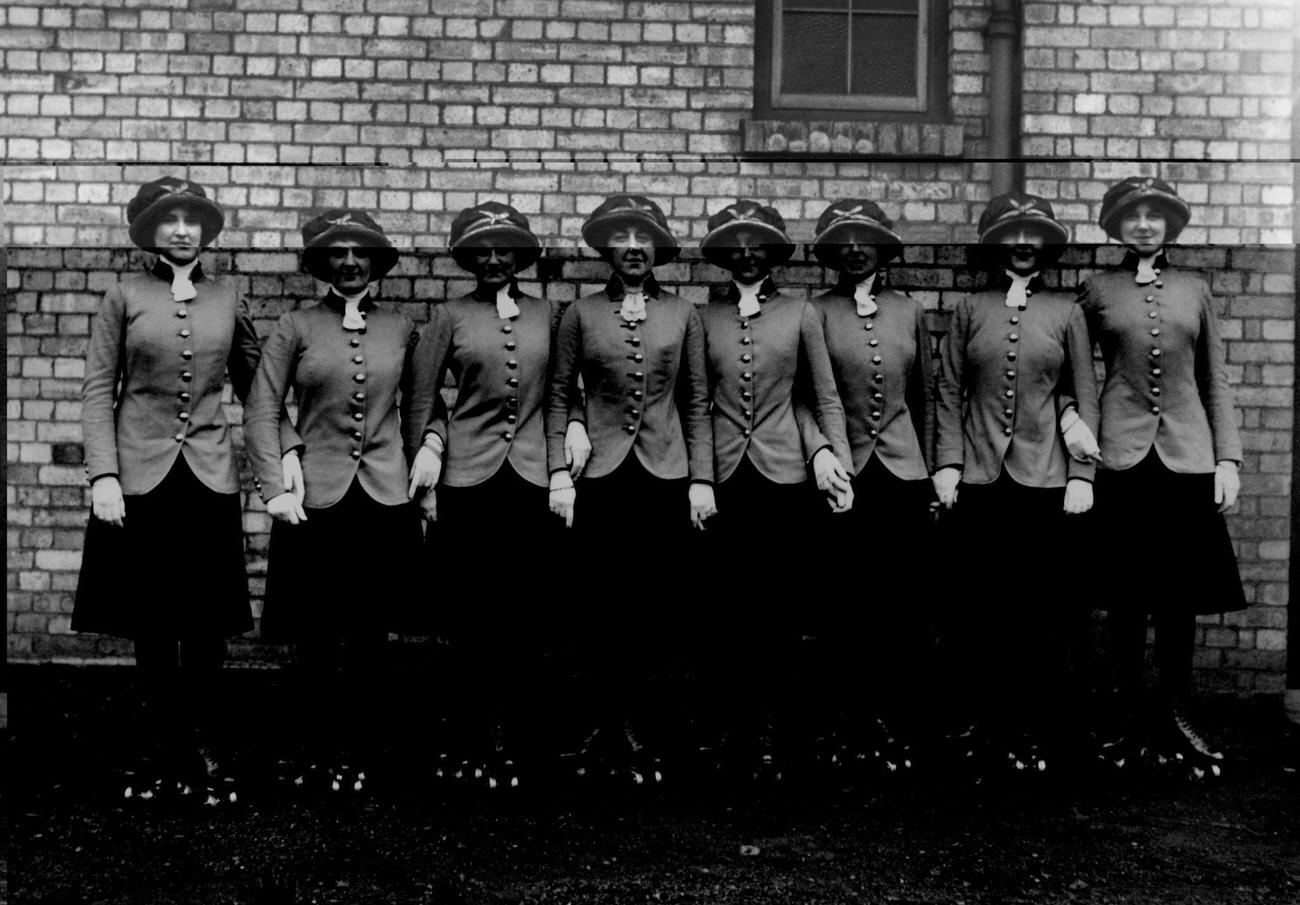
[
  {"x": 493, "y": 546},
  {"x": 885, "y": 540},
  {"x": 632, "y": 528},
  {"x": 174, "y": 570},
  {"x": 353, "y": 567},
  {"x": 761, "y": 552},
  {"x": 1164, "y": 545}
]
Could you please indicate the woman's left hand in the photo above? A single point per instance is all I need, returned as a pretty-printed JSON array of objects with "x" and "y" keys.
[
  {"x": 1227, "y": 484},
  {"x": 1078, "y": 496},
  {"x": 830, "y": 474},
  {"x": 841, "y": 501},
  {"x": 291, "y": 472},
  {"x": 703, "y": 504},
  {"x": 425, "y": 471}
]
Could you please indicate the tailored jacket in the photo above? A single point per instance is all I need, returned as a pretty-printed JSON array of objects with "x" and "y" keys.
[
  {"x": 884, "y": 372},
  {"x": 1166, "y": 382},
  {"x": 171, "y": 358},
  {"x": 645, "y": 385},
  {"x": 757, "y": 367},
  {"x": 1005, "y": 375},
  {"x": 500, "y": 367},
  {"x": 346, "y": 383}
]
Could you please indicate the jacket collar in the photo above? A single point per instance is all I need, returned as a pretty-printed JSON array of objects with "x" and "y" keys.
[
  {"x": 727, "y": 292},
  {"x": 481, "y": 295},
  {"x": 1130, "y": 262},
  {"x": 1002, "y": 282},
  {"x": 616, "y": 290},
  {"x": 847, "y": 287},
  {"x": 335, "y": 302},
  {"x": 163, "y": 270}
]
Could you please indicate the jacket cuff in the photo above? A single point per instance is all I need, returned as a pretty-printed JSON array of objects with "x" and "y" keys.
[
  {"x": 103, "y": 474},
  {"x": 817, "y": 450}
]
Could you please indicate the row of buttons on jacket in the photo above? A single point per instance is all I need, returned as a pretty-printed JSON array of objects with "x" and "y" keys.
[
  {"x": 1154, "y": 314},
  {"x": 186, "y": 375}
]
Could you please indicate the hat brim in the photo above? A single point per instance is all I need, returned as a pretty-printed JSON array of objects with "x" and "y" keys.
[
  {"x": 383, "y": 257},
  {"x": 525, "y": 245},
  {"x": 596, "y": 231},
  {"x": 1177, "y": 212},
  {"x": 715, "y": 245},
  {"x": 825, "y": 246},
  {"x": 1053, "y": 233},
  {"x": 145, "y": 224}
]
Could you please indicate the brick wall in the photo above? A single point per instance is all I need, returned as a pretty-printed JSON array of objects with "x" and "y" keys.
[
  {"x": 1208, "y": 85},
  {"x": 417, "y": 108},
  {"x": 53, "y": 291}
]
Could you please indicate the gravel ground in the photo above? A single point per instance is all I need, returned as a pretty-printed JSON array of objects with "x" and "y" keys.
[{"x": 927, "y": 839}]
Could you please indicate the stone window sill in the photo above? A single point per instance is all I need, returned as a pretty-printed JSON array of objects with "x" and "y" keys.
[{"x": 795, "y": 138}]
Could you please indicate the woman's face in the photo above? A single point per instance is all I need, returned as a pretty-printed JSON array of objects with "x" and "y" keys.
[
  {"x": 349, "y": 266},
  {"x": 1143, "y": 228},
  {"x": 632, "y": 253},
  {"x": 178, "y": 235},
  {"x": 493, "y": 264},
  {"x": 858, "y": 257},
  {"x": 1022, "y": 248},
  {"x": 747, "y": 258}
]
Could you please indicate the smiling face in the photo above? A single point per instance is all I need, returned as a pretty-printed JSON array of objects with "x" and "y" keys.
[
  {"x": 1022, "y": 249},
  {"x": 1143, "y": 228},
  {"x": 747, "y": 258},
  {"x": 493, "y": 264},
  {"x": 631, "y": 253},
  {"x": 178, "y": 235},
  {"x": 858, "y": 257},
  {"x": 348, "y": 266}
]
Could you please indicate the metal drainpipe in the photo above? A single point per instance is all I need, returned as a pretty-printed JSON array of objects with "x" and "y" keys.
[{"x": 1004, "y": 111}]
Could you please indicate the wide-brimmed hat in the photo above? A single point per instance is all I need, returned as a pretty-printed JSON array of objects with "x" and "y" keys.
[
  {"x": 1012, "y": 210},
  {"x": 856, "y": 213},
  {"x": 162, "y": 195},
  {"x": 1126, "y": 193},
  {"x": 323, "y": 230},
  {"x": 630, "y": 210},
  {"x": 762, "y": 219},
  {"x": 501, "y": 223}
]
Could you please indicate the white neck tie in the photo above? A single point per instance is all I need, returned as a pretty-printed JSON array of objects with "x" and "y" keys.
[
  {"x": 353, "y": 319},
  {"x": 182, "y": 288},
  {"x": 633, "y": 305},
  {"x": 1146, "y": 272},
  {"x": 1017, "y": 297},
  {"x": 507, "y": 307},
  {"x": 866, "y": 302},
  {"x": 748, "y": 304}
]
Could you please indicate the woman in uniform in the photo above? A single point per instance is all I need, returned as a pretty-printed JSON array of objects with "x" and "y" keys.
[
  {"x": 776, "y": 416},
  {"x": 166, "y": 508},
  {"x": 481, "y": 469},
  {"x": 1016, "y": 454},
  {"x": 881, "y": 356},
  {"x": 1170, "y": 455},
  {"x": 643, "y": 413},
  {"x": 339, "y": 556}
]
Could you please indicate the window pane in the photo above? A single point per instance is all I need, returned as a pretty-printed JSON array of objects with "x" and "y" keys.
[
  {"x": 884, "y": 55},
  {"x": 814, "y": 58},
  {"x": 866, "y": 6}
]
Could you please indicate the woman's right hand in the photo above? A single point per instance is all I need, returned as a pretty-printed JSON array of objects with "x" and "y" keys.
[
  {"x": 286, "y": 508},
  {"x": 291, "y": 470},
  {"x": 577, "y": 447},
  {"x": 563, "y": 496},
  {"x": 945, "y": 485},
  {"x": 106, "y": 501},
  {"x": 425, "y": 471}
]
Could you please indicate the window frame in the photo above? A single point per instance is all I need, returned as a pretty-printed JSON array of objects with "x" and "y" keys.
[{"x": 932, "y": 65}]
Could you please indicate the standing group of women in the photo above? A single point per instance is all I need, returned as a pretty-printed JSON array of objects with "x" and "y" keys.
[{"x": 741, "y": 476}]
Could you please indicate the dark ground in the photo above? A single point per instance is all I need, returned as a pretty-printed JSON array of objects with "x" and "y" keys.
[{"x": 927, "y": 839}]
